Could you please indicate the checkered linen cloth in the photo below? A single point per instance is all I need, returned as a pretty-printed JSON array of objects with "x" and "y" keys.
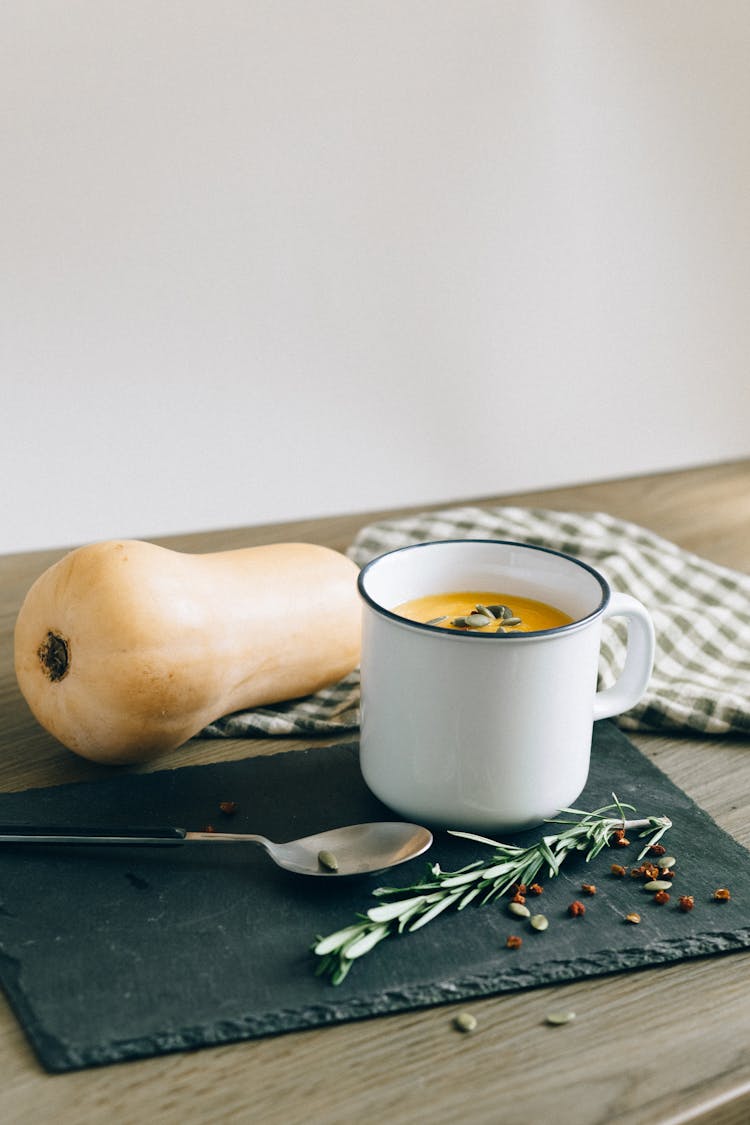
[{"x": 701, "y": 614}]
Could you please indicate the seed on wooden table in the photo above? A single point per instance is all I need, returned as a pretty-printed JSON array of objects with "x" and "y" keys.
[
  {"x": 465, "y": 1022},
  {"x": 519, "y": 909},
  {"x": 558, "y": 1018}
]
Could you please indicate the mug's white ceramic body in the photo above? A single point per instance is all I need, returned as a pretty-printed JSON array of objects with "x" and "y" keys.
[{"x": 488, "y": 732}]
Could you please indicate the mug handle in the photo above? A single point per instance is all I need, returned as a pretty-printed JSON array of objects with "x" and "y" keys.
[{"x": 639, "y": 659}]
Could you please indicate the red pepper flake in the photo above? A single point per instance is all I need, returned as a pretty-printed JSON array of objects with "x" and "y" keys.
[
  {"x": 588, "y": 888},
  {"x": 618, "y": 833},
  {"x": 519, "y": 888},
  {"x": 576, "y": 909},
  {"x": 623, "y": 842},
  {"x": 229, "y": 808},
  {"x": 638, "y": 872},
  {"x": 208, "y": 828},
  {"x": 685, "y": 903},
  {"x": 518, "y": 897},
  {"x": 666, "y": 874},
  {"x": 651, "y": 871},
  {"x": 661, "y": 897},
  {"x": 535, "y": 889},
  {"x": 617, "y": 869},
  {"x": 657, "y": 849},
  {"x": 633, "y": 917},
  {"x": 722, "y": 894},
  {"x": 513, "y": 941}
]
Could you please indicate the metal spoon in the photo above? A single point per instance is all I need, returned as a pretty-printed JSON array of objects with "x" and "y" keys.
[{"x": 355, "y": 850}]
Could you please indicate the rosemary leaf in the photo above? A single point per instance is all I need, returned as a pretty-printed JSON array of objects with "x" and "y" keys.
[{"x": 410, "y": 908}]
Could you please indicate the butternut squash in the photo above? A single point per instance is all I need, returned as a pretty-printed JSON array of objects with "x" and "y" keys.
[{"x": 125, "y": 650}]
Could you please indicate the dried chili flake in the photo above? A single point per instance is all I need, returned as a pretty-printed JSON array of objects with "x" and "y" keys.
[
  {"x": 638, "y": 872},
  {"x": 229, "y": 807},
  {"x": 535, "y": 889},
  {"x": 623, "y": 842},
  {"x": 519, "y": 888},
  {"x": 657, "y": 849},
  {"x": 685, "y": 903},
  {"x": 651, "y": 871},
  {"x": 588, "y": 888},
  {"x": 513, "y": 941},
  {"x": 722, "y": 894},
  {"x": 633, "y": 917},
  {"x": 661, "y": 897},
  {"x": 617, "y": 869},
  {"x": 576, "y": 909},
  {"x": 208, "y": 828},
  {"x": 518, "y": 897}
]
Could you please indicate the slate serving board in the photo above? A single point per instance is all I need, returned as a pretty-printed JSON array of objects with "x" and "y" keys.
[{"x": 120, "y": 953}]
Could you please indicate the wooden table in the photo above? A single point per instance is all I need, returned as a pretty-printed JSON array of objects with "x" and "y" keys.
[{"x": 666, "y": 1045}]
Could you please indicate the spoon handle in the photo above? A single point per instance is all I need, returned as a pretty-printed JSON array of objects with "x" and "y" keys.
[{"x": 159, "y": 836}]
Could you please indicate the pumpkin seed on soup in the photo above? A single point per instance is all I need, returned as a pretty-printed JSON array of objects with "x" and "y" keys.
[{"x": 483, "y": 611}]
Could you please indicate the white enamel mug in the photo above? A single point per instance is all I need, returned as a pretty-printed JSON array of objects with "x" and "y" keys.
[{"x": 488, "y": 732}]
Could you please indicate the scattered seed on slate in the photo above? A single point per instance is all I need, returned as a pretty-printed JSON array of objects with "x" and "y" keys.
[
  {"x": 657, "y": 885},
  {"x": 538, "y": 921},
  {"x": 666, "y": 862},
  {"x": 519, "y": 909}
]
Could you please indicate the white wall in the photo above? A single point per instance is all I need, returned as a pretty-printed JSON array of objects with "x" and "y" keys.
[{"x": 263, "y": 259}]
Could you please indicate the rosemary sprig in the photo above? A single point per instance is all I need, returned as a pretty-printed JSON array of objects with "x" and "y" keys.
[{"x": 406, "y": 909}]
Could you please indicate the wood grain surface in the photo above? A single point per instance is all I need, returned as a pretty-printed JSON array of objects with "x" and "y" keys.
[{"x": 667, "y": 1046}]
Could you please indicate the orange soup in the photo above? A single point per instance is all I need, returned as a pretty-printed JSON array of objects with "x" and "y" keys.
[{"x": 481, "y": 611}]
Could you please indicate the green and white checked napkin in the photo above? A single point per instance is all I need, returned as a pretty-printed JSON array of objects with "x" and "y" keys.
[{"x": 701, "y": 613}]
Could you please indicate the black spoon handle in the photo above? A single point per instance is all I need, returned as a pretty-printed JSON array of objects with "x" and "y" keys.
[{"x": 158, "y": 836}]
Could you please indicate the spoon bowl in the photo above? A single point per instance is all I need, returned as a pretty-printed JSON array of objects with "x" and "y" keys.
[{"x": 357, "y": 849}]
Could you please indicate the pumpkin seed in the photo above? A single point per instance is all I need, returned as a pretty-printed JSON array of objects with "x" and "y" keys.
[
  {"x": 479, "y": 608},
  {"x": 328, "y": 860},
  {"x": 477, "y": 620},
  {"x": 557, "y": 1018},
  {"x": 538, "y": 921},
  {"x": 465, "y": 1022},
  {"x": 511, "y": 621},
  {"x": 519, "y": 909},
  {"x": 459, "y": 622},
  {"x": 657, "y": 885},
  {"x": 500, "y": 611},
  {"x": 436, "y": 620},
  {"x": 666, "y": 862}
]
